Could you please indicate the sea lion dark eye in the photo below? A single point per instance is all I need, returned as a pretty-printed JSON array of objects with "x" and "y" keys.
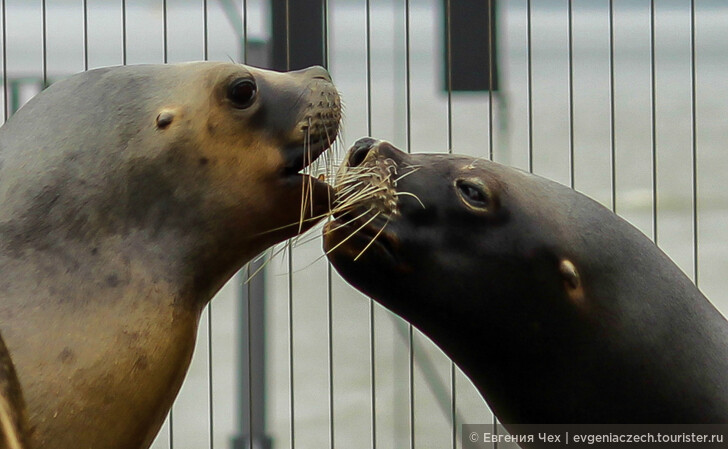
[
  {"x": 474, "y": 195},
  {"x": 242, "y": 92}
]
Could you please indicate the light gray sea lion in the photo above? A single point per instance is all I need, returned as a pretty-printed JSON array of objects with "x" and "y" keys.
[
  {"x": 128, "y": 196},
  {"x": 557, "y": 309}
]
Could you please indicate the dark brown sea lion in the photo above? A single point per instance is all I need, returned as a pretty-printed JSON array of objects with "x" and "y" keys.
[
  {"x": 128, "y": 196},
  {"x": 557, "y": 309}
]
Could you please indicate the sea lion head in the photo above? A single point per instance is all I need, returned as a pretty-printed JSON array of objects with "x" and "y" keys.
[
  {"x": 413, "y": 228},
  {"x": 203, "y": 155},
  {"x": 440, "y": 239},
  {"x": 550, "y": 302}
]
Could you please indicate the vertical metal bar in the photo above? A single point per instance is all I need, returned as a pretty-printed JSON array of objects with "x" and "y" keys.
[
  {"x": 290, "y": 338},
  {"x": 408, "y": 89},
  {"x": 653, "y": 116},
  {"x": 165, "y": 59},
  {"x": 325, "y": 32},
  {"x": 165, "y": 49},
  {"x": 247, "y": 274},
  {"x": 329, "y": 276},
  {"x": 372, "y": 354},
  {"x": 290, "y": 268},
  {"x": 330, "y": 321},
  {"x": 373, "y": 372},
  {"x": 123, "y": 32},
  {"x": 45, "y": 44},
  {"x": 694, "y": 136},
  {"x": 85, "y": 34},
  {"x": 288, "y": 35},
  {"x": 209, "y": 304},
  {"x": 448, "y": 50},
  {"x": 571, "y": 93},
  {"x": 530, "y": 85},
  {"x": 249, "y": 310},
  {"x": 490, "y": 80},
  {"x": 245, "y": 35},
  {"x": 411, "y": 349},
  {"x": 205, "y": 45},
  {"x": 5, "y": 64},
  {"x": 209, "y": 370},
  {"x": 453, "y": 409},
  {"x": 612, "y": 130},
  {"x": 368, "y": 46}
]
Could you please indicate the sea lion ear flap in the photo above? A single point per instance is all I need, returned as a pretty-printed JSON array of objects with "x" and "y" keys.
[{"x": 571, "y": 281}]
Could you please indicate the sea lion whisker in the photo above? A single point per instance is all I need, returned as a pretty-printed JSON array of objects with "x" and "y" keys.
[
  {"x": 353, "y": 175},
  {"x": 310, "y": 238},
  {"x": 296, "y": 223},
  {"x": 349, "y": 180},
  {"x": 349, "y": 176},
  {"x": 355, "y": 202},
  {"x": 353, "y": 187},
  {"x": 265, "y": 264},
  {"x": 346, "y": 192},
  {"x": 257, "y": 258},
  {"x": 412, "y": 195},
  {"x": 347, "y": 222},
  {"x": 372, "y": 241},
  {"x": 369, "y": 185},
  {"x": 414, "y": 170},
  {"x": 343, "y": 191},
  {"x": 304, "y": 185},
  {"x": 364, "y": 193},
  {"x": 353, "y": 233},
  {"x": 310, "y": 264},
  {"x": 309, "y": 164}
]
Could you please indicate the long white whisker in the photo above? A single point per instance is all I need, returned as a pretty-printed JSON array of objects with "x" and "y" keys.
[
  {"x": 412, "y": 195},
  {"x": 407, "y": 174},
  {"x": 372, "y": 241},
  {"x": 349, "y": 221},
  {"x": 353, "y": 233}
]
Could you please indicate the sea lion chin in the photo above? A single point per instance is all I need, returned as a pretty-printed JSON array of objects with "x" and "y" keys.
[
  {"x": 129, "y": 196},
  {"x": 558, "y": 310}
]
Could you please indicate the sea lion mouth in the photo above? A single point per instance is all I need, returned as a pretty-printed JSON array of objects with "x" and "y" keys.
[{"x": 300, "y": 156}]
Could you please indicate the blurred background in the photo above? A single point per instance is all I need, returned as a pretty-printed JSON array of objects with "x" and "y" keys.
[{"x": 625, "y": 101}]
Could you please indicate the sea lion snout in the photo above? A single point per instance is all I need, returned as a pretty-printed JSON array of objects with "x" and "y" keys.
[
  {"x": 362, "y": 149},
  {"x": 315, "y": 72},
  {"x": 305, "y": 113}
]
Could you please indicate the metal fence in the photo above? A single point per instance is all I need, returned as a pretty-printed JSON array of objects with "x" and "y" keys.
[{"x": 625, "y": 101}]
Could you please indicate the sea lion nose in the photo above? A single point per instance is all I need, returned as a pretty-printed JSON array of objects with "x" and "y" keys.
[
  {"x": 316, "y": 72},
  {"x": 359, "y": 150}
]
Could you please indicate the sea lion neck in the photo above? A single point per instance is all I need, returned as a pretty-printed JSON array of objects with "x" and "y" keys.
[{"x": 177, "y": 247}]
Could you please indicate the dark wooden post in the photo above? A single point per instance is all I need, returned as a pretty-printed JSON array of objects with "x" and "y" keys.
[
  {"x": 298, "y": 34},
  {"x": 472, "y": 45}
]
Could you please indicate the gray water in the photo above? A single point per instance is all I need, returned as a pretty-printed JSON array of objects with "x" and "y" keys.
[{"x": 428, "y": 115}]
